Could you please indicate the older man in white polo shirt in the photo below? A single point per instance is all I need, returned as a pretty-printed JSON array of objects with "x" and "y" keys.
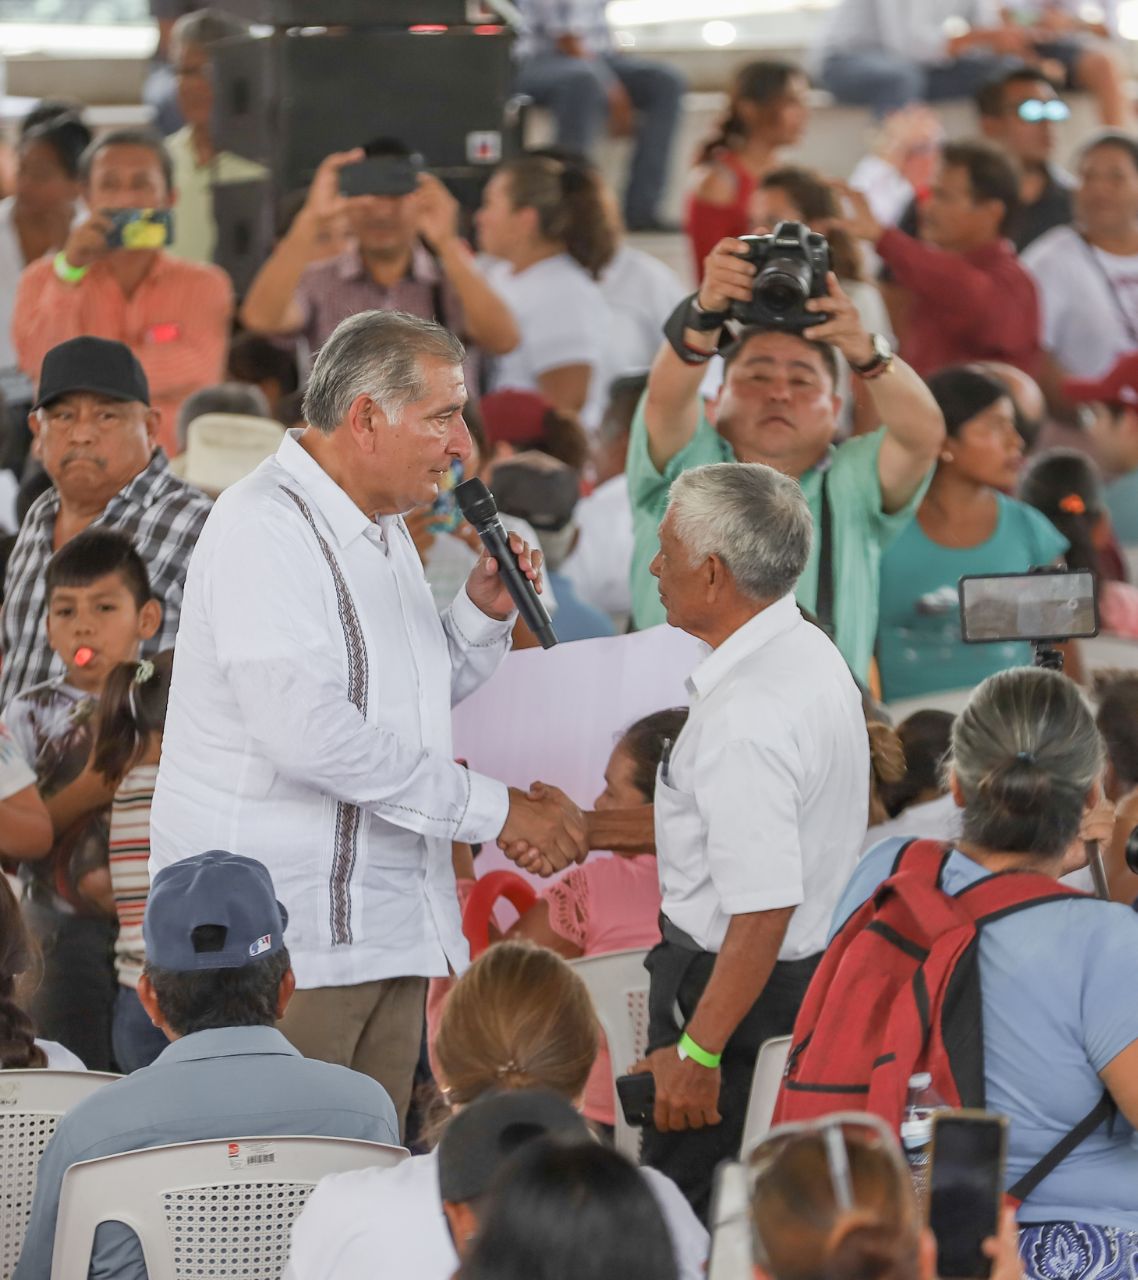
[
  {"x": 760, "y": 808},
  {"x": 310, "y": 713}
]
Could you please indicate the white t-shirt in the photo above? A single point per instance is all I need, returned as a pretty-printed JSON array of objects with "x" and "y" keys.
[
  {"x": 642, "y": 292},
  {"x": 601, "y": 563},
  {"x": 1083, "y": 317},
  {"x": 15, "y": 772},
  {"x": 938, "y": 819},
  {"x": 563, "y": 318},
  {"x": 388, "y": 1224}
]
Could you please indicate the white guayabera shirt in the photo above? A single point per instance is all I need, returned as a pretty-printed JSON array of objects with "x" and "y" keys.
[{"x": 310, "y": 724}]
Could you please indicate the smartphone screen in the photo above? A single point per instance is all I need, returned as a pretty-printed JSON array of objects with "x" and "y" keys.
[
  {"x": 1059, "y": 605},
  {"x": 140, "y": 228},
  {"x": 381, "y": 176},
  {"x": 966, "y": 1186}
]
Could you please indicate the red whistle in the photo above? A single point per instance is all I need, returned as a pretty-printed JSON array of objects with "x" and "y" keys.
[{"x": 83, "y": 655}]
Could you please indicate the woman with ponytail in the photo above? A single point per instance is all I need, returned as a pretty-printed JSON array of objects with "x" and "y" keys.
[
  {"x": 546, "y": 236},
  {"x": 766, "y": 111},
  {"x": 128, "y": 744},
  {"x": 1058, "y": 1019},
  {"x": 518, "y": 1018},
  {"x": 1065, "y": 485},
  {"x": 19, "y": 1048}
]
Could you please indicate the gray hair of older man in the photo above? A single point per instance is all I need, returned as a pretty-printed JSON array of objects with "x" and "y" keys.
[
  {"x": 378, "y": 354},
  {"x": 1026, "y": 752},
  {"x": 203, "y": 28},
  {"x": 755, "y": 519}
]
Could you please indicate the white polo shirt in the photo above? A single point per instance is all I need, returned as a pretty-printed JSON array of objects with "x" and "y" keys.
[
  {"x": 764, "y": 801},
  {"x": 310, "y": 724}
]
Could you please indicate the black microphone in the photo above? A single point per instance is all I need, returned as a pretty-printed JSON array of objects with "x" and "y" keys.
[{"x": 477, "y": 504}]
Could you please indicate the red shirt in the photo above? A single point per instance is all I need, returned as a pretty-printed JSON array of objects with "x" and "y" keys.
[
  {"x": 707, "y": 223},
  {"x": 980, "y": 305}
]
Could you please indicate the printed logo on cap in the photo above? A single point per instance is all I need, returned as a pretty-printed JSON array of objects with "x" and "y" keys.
[{"x": 262, "y": 944}]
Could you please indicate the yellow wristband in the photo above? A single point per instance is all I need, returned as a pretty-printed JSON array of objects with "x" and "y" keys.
[{"x": 65, "y": 271}]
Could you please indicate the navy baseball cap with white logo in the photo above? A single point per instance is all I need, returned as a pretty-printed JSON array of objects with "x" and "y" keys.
[{"x": 216, "y": 910}]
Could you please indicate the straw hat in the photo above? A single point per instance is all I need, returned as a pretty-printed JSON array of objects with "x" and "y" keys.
[{"x": 222, "y": 448}]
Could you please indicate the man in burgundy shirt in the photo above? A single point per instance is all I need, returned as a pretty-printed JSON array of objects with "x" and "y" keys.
[{"x": 968, "y": 297}]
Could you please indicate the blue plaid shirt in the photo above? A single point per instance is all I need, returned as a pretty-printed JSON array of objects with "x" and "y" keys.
[{"x": 547, "y": 20}]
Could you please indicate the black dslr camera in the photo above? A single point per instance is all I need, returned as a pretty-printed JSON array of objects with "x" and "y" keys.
[{"x": 791, "y": 267}]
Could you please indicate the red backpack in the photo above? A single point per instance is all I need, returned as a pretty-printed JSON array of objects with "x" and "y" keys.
[{"x": 898, "y": 992}]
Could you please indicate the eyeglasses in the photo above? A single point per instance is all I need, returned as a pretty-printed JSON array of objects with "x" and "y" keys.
[
  {"x": 1033, "y": 110},
  {"x": 835, "y": 1134}
]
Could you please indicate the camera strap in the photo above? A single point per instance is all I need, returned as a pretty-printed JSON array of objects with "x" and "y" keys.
[
  {"x": 1112, "y": 289},
  {"x": 824, "y": 606}
]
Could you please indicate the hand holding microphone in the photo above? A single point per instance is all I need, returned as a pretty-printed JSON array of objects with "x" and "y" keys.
[{"x": 518, "y": 569}]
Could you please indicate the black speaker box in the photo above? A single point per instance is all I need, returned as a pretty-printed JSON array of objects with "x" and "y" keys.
[
  {"x": 288, "y": 99},
  {"x": 354, "y": 13}
]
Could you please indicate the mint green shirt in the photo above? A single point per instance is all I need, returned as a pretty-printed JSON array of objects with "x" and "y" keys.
[
  {"x": 1122, "y": 503},
  {"x": 920, "y": 650},
  {"x": 861, "y": 528}
]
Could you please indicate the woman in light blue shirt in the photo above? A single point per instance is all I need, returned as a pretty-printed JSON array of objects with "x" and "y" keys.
[
  {"x": 964, "y": 525},
  {"x": 1059, "y": 1017}
]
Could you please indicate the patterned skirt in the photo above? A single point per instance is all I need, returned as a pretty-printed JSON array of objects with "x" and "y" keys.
[{"x": 1078, "y": 1251}]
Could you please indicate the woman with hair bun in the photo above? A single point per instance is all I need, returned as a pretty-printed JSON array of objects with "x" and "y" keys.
[
  {"x": 518, "y": 1018},
  {"x": 547, "y": 236},
  {"x": 1058, "y": 1017}
]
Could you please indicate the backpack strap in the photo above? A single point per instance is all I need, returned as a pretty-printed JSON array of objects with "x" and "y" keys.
[
  {"x": 1005, "y": 892},
  {"x": 1103, "y": 1110}
]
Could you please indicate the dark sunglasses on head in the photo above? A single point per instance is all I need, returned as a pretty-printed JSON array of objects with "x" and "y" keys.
[{"x": 1033, "y": 110}]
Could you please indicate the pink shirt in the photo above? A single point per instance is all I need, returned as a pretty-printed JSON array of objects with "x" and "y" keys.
[
  {"x": 1118, "y": 608},
  {"x": 609, "y": 904}
]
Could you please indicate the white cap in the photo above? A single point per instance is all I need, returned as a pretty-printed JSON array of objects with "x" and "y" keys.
[{"x": 922, "y": 1080}]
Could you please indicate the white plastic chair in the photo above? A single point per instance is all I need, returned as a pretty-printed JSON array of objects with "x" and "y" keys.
[
  {"x": 219, "y": 1208},
  {"x": 618, "y": 984},
  {"x": 31, "y": 1103},
  {"x": 765, "y": 1085}
]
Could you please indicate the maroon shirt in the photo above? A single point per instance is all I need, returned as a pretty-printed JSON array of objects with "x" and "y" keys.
[{"x": 980, "y": 305}]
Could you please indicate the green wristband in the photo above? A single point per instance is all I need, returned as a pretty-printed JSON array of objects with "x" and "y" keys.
[
  {"x": 689, "y": 1049},
  {"x": 65, "y": 271}
]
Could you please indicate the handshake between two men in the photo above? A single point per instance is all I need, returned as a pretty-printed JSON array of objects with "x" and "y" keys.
[{"x": 546, "y": 832}]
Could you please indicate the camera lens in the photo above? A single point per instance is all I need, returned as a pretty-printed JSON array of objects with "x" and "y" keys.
[{"x": 783, "y": 285}]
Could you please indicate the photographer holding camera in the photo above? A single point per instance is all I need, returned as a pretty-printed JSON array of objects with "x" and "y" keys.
[
  {"x": 778, "y": 406},
  {"x": 406, "y": 255},
  {"x": 115, "y": 279}
]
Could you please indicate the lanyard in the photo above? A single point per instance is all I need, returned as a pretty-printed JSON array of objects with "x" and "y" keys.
[{"x": 1123, "y": 315}]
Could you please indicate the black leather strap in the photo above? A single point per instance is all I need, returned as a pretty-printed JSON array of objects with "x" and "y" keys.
[
  {"x": 1102, "y": 1111},
  {"x": 824, "y": 608}
]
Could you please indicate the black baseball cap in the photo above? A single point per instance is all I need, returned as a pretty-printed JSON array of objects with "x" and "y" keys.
[
  {"x": 483, "y": 1136},
  {"x": 217, "y": 888},
  {"x": 97, "y": 365},
  {"x": 537, "y": 488}
]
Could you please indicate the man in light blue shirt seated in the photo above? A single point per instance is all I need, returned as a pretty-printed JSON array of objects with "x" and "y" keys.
[{"x": 217, "y": 978}]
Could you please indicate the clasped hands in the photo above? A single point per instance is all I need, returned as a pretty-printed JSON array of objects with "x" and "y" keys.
[{"x": 544, "y": 831}]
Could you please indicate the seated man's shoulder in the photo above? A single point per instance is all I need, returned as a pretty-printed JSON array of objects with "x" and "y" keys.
[{"x": 202, "y": 277}]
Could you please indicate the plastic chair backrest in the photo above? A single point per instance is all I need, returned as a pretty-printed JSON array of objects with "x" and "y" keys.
[
  {"x": 618, "y": 984},
  {"x": 765, "y": 1085},
  {"x": 31, "y": 1102},
  {"x": 222, "y": 1208}
]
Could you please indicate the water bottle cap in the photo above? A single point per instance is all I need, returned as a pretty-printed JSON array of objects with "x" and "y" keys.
[{"x": 922, "y": 1080}]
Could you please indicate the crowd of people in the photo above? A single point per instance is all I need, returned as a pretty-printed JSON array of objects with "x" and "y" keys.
[{"x": 240, "y": 598}]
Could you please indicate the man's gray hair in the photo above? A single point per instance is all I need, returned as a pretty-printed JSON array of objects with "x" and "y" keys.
[
  {"x": 752, "y": 517},
  {"x": 377, "y": 354}
]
